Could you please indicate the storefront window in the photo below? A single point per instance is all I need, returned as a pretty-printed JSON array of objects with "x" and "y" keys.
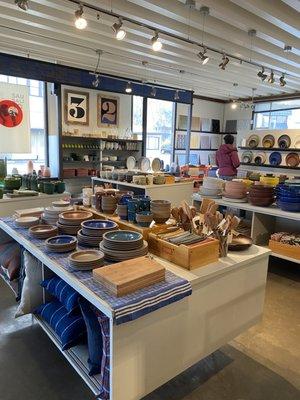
[
  {"x": 137, "y": 114},
  {"x": 160, "y": 128},
  {"x": 37, "y": 127},
  {"x": 277, "y": 115}
]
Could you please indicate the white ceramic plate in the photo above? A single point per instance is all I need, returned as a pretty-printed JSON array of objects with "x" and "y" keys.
[
  {"x": 144, "y": 164},
  {"x": 156, "y": 165},
  {"x": 130, "y": 163}
]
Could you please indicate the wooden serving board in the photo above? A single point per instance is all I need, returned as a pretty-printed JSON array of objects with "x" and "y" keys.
[
  {"x": 128, "y": 276},
  {"x": 30, "y": 212}
]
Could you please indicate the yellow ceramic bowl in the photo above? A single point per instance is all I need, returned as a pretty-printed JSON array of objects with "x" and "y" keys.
[
  {"x": 170, "y": 178},
  {"x": 269, "y": 180}
]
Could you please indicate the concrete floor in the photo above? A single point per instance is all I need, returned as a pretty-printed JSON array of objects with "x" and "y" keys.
[{"x": 261, "y": 364}]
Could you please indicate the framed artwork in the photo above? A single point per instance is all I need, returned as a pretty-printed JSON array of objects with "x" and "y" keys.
[
  {"x": 108, "y": 111},
  {"x": 76, "y": 107}
]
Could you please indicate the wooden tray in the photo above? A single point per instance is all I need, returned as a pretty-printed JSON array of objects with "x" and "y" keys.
[
  {"x": 189, "y": 257},
  {"x": 285, "y": 249},
  {"x": 128, "y": 276}
]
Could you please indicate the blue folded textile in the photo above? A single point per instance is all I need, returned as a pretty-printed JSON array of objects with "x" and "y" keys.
[
  {"x": 63, "y": 292},
  {"x": 94, "y": 337},
  {"x": 70, "y": 329}
]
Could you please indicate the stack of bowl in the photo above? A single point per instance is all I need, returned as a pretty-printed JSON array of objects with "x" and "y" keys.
[
  {"x": 144, "y": 218},
  {"x": 261, "y": 195},
  {"x": 161, "y": 210},
  {"x": 159, "y": 179},
  {"x": 269, "y": 180},
  {"x": 123, "y": 245},
  {"x": 69, "y": 222},
  {"x": 50, "y": 215},
  {"x": 85, "y": 260},
  {"x": 109, "y": 204},
  {"x": 92, "y": 231},
  {"x": 61, "y": 243},
  {"x": 288, "y": 196},
  {"x": 235, "y": 191},
  {"x": 26, "y": 222},
  {"x": 212, "y": 187}
]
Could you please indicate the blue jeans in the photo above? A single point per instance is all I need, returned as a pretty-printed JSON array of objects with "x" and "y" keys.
[{"x": 227, "y": 178}]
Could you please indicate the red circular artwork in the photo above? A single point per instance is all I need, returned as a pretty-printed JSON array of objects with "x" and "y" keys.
[{"x": 11, "y": 114}]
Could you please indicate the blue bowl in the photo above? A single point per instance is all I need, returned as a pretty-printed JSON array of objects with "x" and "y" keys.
[
  {"x": 98, "y": 224},
  {"x": 289, "y": 199},
  {"x": 62, "y": 239},
  {"x": 293, "y": 207}
]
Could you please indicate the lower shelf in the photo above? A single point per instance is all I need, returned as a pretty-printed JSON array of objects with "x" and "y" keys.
[
  {"x": 77, "y": 357},
  {"x": 278, "y": 255}
]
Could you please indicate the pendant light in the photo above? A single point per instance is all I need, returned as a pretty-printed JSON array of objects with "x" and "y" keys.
[
  {"x": 128, "y": 88},
  {"x": 156, "y": 43},
  {"x": 153, "y": 91},
  {"x": 176, "y": 95},
  {"x": 120, "y": 32},
  {"x": 96, "y": 74},
  {"x": 80, "y": 21}
]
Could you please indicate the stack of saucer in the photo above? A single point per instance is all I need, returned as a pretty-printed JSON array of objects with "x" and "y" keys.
[
  {"x": 235, "y": 191},
  {"x": 86, "y": 260},
  {"x": 91, "y": 231},
  {"x": 123, "y": 245},
  {"x": 61, "y": 243},
  {"x": 212, "y": 187},
  {"x": 161, "y": 210},
  {"x": 27, "y": 222},
  {"x": 69, "y": 222}
]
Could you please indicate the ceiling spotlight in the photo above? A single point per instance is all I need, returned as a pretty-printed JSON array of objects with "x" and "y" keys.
[
  {"x": 153, "y": 91},
  {"x": 287, "y": 48},
  {"x": 225, "y": 61},
  {"x": 128, "y": 88},
  {"x": 80, "y": 21},
  {"x": 271, "y": 77},
  {"x": 23, "y": 4},
  {"x": 96, "y": 81},
  {"x": 176, "y": 95},
  {"x": 282, "y": 81},
  {"x": 261, "y": 74},
  {"x": 156, "y": 43},
  {"x": 119, "y": 31},
  {"x": 203, "y": 57}
]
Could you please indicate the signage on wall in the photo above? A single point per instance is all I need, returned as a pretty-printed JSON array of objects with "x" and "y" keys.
[
  {"x": 108, "y": 111},
  {"x": 76, "y": 107},
  {"x": 14, "y": 119}
]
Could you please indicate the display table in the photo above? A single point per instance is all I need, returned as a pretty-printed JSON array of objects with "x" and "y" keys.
[
  {"x": 227, "y": 298},
  {"x": 175, "y": 192},
  {"x": 264, "y": 221},
  {"x": 9, "y": 205}
]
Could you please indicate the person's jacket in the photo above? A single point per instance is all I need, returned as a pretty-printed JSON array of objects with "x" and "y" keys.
[{"x": 227, "y": 160}]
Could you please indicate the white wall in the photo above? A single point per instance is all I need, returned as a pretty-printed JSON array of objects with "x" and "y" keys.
[
  {"x": 92, "y": 128},
  {"x": 204, "y": 109}
]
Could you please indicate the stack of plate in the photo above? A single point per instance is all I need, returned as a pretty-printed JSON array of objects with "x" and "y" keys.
[
  {"x": 61, "y": 205},
  {"x": 123, "y": 245},
  {"x": 212, "y": 187},
  {"x": 86, "y": 260},
  {"x": 50, "y": 215},
  {"x": 27, "y": 222},
  {"x": 43, "y": 231},
  {"x": 69, "y": 222},
  {"x": 91, "y": 231},
  {"x": 61, "y": 243}
]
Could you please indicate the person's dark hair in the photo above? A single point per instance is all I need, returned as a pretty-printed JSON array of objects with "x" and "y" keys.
[{"x": 228, "y": 139}]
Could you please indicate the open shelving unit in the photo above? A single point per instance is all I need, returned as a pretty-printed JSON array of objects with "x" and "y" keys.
[{"x": 271, "y": 166}]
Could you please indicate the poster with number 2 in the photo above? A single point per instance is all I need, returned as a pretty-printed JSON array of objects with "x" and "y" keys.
[
  {"x": 108, "y": 111},
  {"x": 76, "y": 107}
]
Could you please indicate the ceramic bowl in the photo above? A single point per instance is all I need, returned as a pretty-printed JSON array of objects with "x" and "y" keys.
[
  {"x": 284, "y": 142},
  {"x": 292, "y": 160},
  {"x": 286, "y": 206},
  {"x": 268, "y": 141},
  {"x": 275, "y": 158},
  {"x": 261, "y": 202},
  {"x": 253, "y": 141}
]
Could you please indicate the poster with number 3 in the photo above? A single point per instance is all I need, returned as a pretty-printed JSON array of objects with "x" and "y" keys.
[
  {"x": 76, "y": 107},
  {"x": 108, "y": 111}
]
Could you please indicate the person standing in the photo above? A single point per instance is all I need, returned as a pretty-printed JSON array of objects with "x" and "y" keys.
[{"x": 227, "y": 159}]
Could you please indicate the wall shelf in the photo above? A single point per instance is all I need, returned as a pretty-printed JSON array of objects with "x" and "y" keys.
[
  {"x": 209, "y": 132},
  {"x": 269, "y": 149},
  {"x": 270, "y": 166},
  {"x": 198, "y": 149}
]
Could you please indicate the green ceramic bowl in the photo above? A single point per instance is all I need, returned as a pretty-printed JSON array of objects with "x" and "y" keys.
[{"x": 49, "y": 187}]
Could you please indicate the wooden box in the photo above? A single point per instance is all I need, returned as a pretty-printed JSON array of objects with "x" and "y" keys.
[
  {"x": 285, "y": 249},
  {"x": 189, "y": 257}
]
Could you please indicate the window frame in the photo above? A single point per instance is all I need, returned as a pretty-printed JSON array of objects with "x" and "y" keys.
[{"x": 269, "y": 112}]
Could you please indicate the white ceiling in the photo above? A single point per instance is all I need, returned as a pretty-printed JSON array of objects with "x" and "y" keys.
[{"x": 46, "y": 31}]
